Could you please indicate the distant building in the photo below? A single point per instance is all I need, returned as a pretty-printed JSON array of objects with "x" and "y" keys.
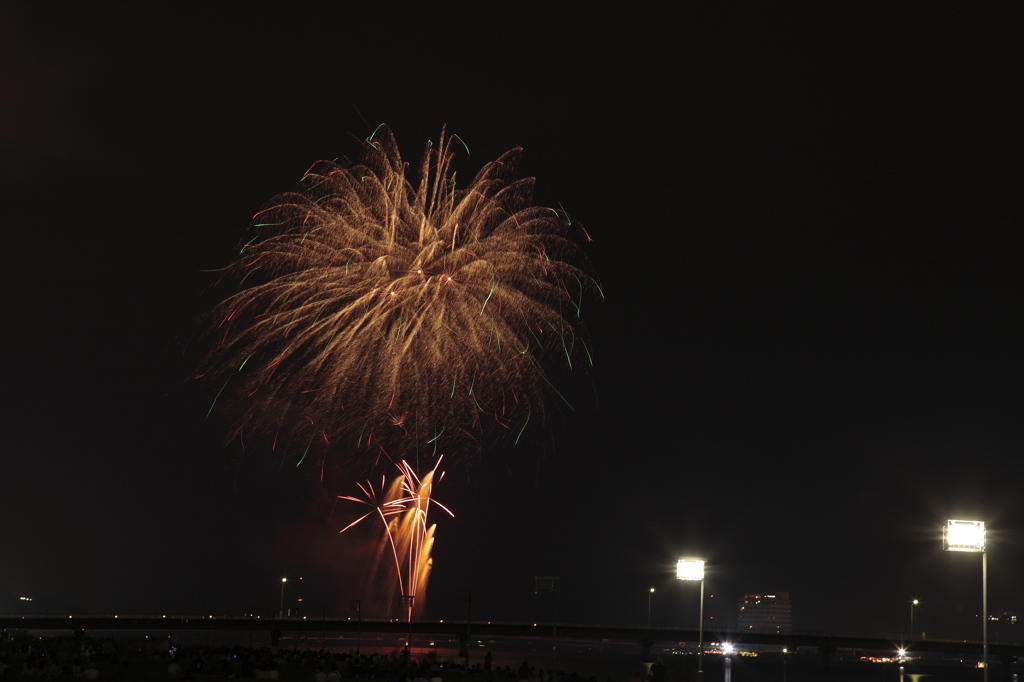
[
  {"x": 1007, "y": 617},
  {"x": 1006, "y": 625},
  {"x": 769, "y": 613}
]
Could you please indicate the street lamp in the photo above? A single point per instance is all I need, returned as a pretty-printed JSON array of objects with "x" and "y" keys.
[
  {"x": 281, "y": 611},
  {"x": 693, "y": 569},
  {"x": 649, "y": 595},
  {"x": 969, "y": 536},
  {"x": 913, "y": 605}
]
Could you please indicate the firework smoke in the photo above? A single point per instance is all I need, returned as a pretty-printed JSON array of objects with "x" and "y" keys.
[{"x": 376, "y": 317}]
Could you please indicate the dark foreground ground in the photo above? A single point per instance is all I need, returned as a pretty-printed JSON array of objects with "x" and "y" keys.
[{"x": 152, "y": 658}]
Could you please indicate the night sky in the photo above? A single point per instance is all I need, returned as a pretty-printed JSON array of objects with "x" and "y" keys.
[{"x": 806, "y": 220}]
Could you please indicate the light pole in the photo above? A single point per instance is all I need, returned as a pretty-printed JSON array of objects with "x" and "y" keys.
[
  {"x": 546, "y": 583},
  {"x": 407, "y": 602},
  {"x": 913, "y": 605},
  {"x": 693, "y": 569},
  {"x": 649, "y": 595},
  {"x": 969, "y": 536},
  {"x": 280, "y": 613},
  {"x": 357, "y": 604}
]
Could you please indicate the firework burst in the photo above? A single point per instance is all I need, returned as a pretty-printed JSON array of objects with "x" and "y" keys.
[
  {"x": 374, "y": 316},
  {"x": 402, "y": 564}
]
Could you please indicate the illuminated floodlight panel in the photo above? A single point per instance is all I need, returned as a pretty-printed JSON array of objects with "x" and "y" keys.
[
  {"x": 690, "y": 569},
  {"x": 964, "y": 536}
]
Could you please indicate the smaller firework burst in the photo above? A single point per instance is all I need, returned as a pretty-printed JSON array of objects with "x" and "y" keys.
[{"x": 403, "y": 507}]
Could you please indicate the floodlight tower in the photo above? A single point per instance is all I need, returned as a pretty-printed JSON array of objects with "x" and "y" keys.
[
  {"x": 693, "y": 569},
  {"x": 969, "y": 536}
]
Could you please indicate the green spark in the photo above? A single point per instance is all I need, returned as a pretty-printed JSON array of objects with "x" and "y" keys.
[
  {"x": 489, "y": 294},
  {"x": 303, "y": 458},
  {"x": 370, "y": 138},
  {"x": 242, "y": 281},
  {"x": 464, "y": 145},
  {"x": 523, "y": 428},
  {"x": 209, "y": 411},
  {"x": 565, "y": 213}
]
